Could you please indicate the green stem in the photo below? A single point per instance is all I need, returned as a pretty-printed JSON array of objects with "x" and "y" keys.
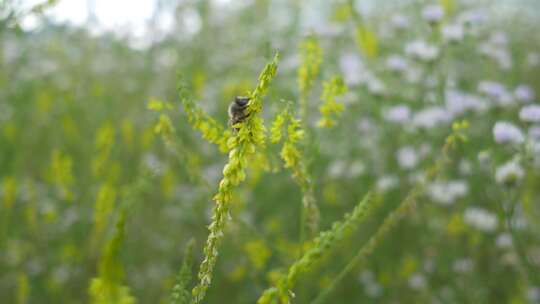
[
  {"x": 389, "y": 222},
  {"x": 525, "y": 265}
]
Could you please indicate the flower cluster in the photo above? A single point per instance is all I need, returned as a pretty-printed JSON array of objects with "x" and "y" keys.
[
  {"x": 311, "y": 58},
  {"x": 210, "y": 129},
  {"x": 294, "y": 159},
  {"x": 331, "y": 109},
  {"x": 108, "y": 288},
  {"x": 243, "y": 144}
]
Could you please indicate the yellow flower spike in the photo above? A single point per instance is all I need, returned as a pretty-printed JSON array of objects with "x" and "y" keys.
[
  {"x": 107, "y": 288},
  {"x": 293, "y": 158},
  {"x": 258, "y": 253},
  {"x": 210, "y": 129},
  {"x": 458, "y": 133},
  {"x": 199, "y": 80},
  {"x": 449, "y": 6},
  {"x": 342, "y": 12},
  {"x": 61, "y": 175},
  {"x": 23, "y": 288},
  {"x": 9, "y": 189},
  {"x": 331, "y": 109},
  {"x": 158, "y": 105},
  {"x": 244, "y": 143},
  {"x": 310, "y": 61},
  {"x": 103, "y": 208},
  {"x": 104, "y": 142},
  {"x": 164, "y": 126},
  {"x": 367, "y": 41},
  {"x": 128, "y": 133}
]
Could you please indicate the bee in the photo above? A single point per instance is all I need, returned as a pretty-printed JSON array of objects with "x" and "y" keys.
[{"x": 237, "y": 110}]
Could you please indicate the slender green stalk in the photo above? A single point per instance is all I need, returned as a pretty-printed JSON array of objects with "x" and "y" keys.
[
  {"x": 210, "y": 129},
  {"x": 322, "y": 245},
  {"x": 389, "y": 223},
  {"x": 242, "y": 145},
  {"x": 164, "y": 127},
  {"x": 311, "y": 55},
  {"x": 400, "y": 212},
  {"x": 331, "y": 109},
  {"x": 180, "y": 292},
  {"x": 292, "y": 155},
  {"x": 525, "y": 266},
  {"x": 108, "y": 288},
  {"x": 311, "y": 58}
]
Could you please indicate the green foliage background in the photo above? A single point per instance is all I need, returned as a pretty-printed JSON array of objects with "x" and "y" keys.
[{"x": 80, "y": 152}]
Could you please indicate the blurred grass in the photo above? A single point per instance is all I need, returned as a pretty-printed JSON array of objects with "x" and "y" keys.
[{"x": 77, "y": 142}]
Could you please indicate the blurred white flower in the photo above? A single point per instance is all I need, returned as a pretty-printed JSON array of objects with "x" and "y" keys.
[
  {"x": 506, "y": 132},
  {"x": 399, "y": 21},
  {"x": 375, "y": 86},
  {"x": 425, "y": 149},
  {"x": 373, "y": 289},
  {"x": 396, "y": 63},
  {"x": 509, "y": 173},
  {"x": 154, "y": 164},
  {"x": 496, "y": 91},
  {"x": 417, "y": 281},
  {"x": 465, "y": 167},
  {"x": 366, "y": 126},
  {"x": 325, "y": 29},
  {"x": 407, "y": 157},
  {"x": 397, "y": 114},
  {"x": 366, "y": 277},
  {"x": 352, "y": 68},
  {"x": 472, "y": 17},
  {"x": 524, "y": 93},
  {"x": 484, "y": 158},
  {"x": 433, "y": 13},
  {"x": 463, "y": 265},
  {"x": 453, "y": 32},
  {"x": 498, "y": 38},
  {"x": 357, "y": 168},
  {"x": 533, "y": 294},
  {"x": 497, "y": 52},
  {"x": 421, "y": 50},
  {"x": 533, "y": 59},
  {"x": 446, "y": 193},
  {"x": 530, "y": 113},
  {"x": 458, "y": 102},
  {"x": 413, "y": 75},
  {"x": 504, "y": 240},
  {"x": 480, "y": 219},
  {"x": 431, "y": 117},
  {"x": 387, "y": 182},
  {"x": 337, "y": 168},
  {"x": 491, "y": 88}
]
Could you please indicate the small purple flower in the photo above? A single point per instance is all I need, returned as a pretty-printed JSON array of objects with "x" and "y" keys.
[
  {"x": 530, "y": 113},
  {"x": 433, "y": 13},
  {"x": 505, "y": 132}
]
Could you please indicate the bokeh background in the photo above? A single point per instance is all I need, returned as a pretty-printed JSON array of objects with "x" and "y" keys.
[{"x": 77, "y": 141}]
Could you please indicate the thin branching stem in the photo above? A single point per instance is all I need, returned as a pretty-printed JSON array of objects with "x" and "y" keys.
[{"x": 390, "y": 221}]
